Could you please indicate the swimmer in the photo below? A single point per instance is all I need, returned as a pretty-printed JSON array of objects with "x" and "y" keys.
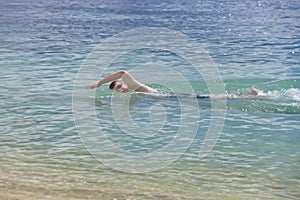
[{"x": 130, "y": 84}]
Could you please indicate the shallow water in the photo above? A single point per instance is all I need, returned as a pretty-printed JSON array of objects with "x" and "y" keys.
[{"x": 253, "y": 44}]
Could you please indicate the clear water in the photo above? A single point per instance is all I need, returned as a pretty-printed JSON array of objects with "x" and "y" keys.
[{"x": 253, "y": 43}]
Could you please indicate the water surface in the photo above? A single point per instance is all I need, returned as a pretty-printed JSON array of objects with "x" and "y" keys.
[{"x": 253, "y": 43}]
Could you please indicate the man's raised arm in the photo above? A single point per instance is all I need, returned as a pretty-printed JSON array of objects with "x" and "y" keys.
[{"x": 112, "y": 77}]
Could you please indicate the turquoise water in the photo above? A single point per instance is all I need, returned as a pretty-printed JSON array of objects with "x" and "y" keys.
[{"x": 253, "y": 44}]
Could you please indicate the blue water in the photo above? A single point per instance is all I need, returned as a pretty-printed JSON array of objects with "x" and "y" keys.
[{"x": 252, "y": 43}]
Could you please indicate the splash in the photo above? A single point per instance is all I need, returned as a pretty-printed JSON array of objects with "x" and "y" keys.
[
  {"x": 284, "y": 101},
  {"x": 291, "y": 94}
]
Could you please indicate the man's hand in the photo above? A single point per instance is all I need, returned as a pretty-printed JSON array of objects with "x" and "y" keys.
[{"x": 92, "y": 86}]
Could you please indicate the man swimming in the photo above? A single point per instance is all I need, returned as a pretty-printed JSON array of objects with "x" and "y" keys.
[{"x": 130, "y": 84}]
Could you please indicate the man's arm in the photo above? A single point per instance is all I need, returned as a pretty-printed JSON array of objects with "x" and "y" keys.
[
  {"x": 132, "y": 84},
  {"x": 112, "y": 77}
]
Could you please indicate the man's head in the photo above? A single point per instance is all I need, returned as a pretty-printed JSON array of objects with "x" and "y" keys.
[{"x": 117, "y": 85}]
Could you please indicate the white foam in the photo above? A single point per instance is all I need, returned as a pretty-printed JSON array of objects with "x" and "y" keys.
[{"x": 284, "y": 94}]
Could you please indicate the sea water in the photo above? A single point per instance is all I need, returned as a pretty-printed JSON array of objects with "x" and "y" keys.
[{"x": 252, "y": 43}]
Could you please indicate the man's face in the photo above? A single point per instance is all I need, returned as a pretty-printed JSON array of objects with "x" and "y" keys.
[{"x": 121, "y": 87}]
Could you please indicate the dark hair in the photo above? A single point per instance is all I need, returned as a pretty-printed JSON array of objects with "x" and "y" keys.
[{"x": 112, "y": 85}]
